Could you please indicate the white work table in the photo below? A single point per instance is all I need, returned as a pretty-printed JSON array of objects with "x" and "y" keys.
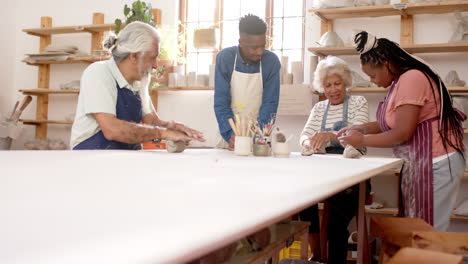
[{"x": 132, "y": 207}]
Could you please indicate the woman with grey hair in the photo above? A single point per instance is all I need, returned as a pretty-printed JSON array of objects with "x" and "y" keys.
[
  {"x": 114, "y": 108},
  {"x": 332, "y": 78}
]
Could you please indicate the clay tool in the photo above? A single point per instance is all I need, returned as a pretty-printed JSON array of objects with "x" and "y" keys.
[{"x": 233, "y": 126}]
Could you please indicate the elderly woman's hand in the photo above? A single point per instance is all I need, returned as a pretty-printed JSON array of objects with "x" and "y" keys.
[
  {"x": 320, "y": 138},
  {"x": 352, "y": 137}
]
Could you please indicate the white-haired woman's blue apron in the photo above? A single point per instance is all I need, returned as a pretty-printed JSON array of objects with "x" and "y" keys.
[{"x": 335, "y": 147}]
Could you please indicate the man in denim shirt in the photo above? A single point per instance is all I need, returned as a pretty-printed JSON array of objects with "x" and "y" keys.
[{"x": 247, "y": 79}]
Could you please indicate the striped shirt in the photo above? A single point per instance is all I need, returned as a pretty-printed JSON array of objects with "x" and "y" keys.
[{"x": 358, "y": 113}]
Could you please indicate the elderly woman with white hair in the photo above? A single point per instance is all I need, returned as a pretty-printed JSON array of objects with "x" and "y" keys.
[
  {"x": 333, "y": 78},
  {"x": 114, "y": 108}
]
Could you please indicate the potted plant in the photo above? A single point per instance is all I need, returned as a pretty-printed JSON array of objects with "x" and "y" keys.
[{"x": 140, "y": 11}]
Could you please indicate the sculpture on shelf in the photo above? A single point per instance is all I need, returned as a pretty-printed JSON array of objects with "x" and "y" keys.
[
  {"x": 359, "y": 81},
  {"x": 332, "y": 3},
  {"x": 363, "y": 2},
  {"x": 461, "y": 32},
  {"x": 452, "y": 79},
  {"x": 331, "y": 39}
]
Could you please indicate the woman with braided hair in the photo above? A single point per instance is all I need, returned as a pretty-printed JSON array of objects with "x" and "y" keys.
[{"x": 417, "y": 119}]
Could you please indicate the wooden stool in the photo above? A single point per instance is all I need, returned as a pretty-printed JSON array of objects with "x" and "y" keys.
[
  {"x": 398, "y": 232},
  {"x": 415, "y": 255}
]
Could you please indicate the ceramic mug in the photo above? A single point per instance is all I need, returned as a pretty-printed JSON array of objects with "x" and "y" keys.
[
  {"x": 281, "y": 150},
  {"x": 242, "y": 145}
]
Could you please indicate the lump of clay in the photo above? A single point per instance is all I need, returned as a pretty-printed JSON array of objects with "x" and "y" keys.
[
  {"x": 307, "y": 150},
  {"x": 280, "y": 137},
  {"x": 351, "y": 152},
  {"x": 175, "y": 146}
]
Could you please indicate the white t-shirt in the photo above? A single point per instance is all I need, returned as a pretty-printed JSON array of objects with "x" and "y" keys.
[
  {"x": 98, "y": 94},
  {"x": 358, "y": 113}
]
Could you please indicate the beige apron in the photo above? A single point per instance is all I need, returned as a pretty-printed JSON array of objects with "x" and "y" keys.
[{"x": 246, "y": 95}]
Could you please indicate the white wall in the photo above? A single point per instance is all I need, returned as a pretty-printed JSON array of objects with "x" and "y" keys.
[{"x": 7, "y": 50}]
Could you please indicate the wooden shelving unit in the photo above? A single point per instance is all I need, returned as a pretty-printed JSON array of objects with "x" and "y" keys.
[
  {"x": 404, "y": 10},
  {"x": 68, "y": 61},
  {"x": 45, "y": 32},
  {"x": 360, "y": 90},
  {"x": 40, "y": 91},
  {"x": 390, "y": 10},
  {"x": 41, "y": 122},
  {"x": 69, "y": 30},
  {"x": 415, "y": 48}
]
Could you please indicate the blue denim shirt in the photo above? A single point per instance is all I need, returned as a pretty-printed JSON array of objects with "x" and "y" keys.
[{"x": 222, "y": 96}]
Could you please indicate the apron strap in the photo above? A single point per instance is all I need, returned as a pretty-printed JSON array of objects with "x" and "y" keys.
[
  {"x": 345, "y": 113},
  {"x": 235, "y": 63}
]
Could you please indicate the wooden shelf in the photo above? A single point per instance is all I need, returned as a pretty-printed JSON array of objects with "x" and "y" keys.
[
  {"x": 196, "y": 88},
  {"x": 69, "y": 60},
  {"x": 38, "y": 122},
  {"x": 415, "y": 48},
  {"x": 41, "y": 91},
  {"x": 453, "y": 89},
  {"x": 394, "y": 212},
  {"x": 70, "y": 29},
  {"x": 390, "y": 10},
  {"x": 384, "y": 211}
]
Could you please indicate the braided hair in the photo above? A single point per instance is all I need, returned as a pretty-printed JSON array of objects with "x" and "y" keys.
[{"x": 377, "y": 51}]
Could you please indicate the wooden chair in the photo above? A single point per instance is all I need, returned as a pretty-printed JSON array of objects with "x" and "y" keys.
[
  {"x": 398, "y": 232},
  {"x": 416, "y": 255}
]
